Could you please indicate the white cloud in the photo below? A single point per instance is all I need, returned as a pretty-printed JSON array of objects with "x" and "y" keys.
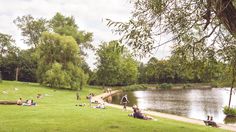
[{"x": 88, "y": 15}]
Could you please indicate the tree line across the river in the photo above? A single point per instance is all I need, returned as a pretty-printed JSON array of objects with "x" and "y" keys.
[{"x": 57, "y": 49}]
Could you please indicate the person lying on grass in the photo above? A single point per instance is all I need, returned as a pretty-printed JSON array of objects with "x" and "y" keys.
[
  {"x": 29, "y": 103},
  {"x": 100, "y": 106},
  {"x": 137, "y": 114}
]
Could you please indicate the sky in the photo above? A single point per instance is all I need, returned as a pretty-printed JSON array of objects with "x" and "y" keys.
[{"x": 90, "y": 16}]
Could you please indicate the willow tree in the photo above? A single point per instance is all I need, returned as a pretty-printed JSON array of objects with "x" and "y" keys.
[
  {"x": 66, "y": 25},
  {"x": 58, "y": 62},
  {"x": 212, "y": 20}
]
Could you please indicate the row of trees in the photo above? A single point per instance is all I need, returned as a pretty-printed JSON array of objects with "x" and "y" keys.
[
  {"x": 194, "y": 63},
  {"x": 189, "y": 22},
  {"x": 60, "y": 64},
  {"x": 115, "y": 65},
  {"x": 55, "y": 56}
]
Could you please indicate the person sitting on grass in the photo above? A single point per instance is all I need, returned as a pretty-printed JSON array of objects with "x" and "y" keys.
[
  {"x": 39, "y": 96},
  {"x": 19, "y": 101}
]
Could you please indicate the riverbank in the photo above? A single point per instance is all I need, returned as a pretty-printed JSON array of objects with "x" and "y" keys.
[
  {"x": 163, "y": 86},
  {"x": 162, "y": 115},
  {"x": 58, "y": 110}
]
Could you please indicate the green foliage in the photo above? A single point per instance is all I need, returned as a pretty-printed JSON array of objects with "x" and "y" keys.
[
  {"x": 230, "y": 120},
  {"x": 31, "y": 29},
  {"x": 181, "y": 68},
  {"x": 56, "y": 77},
  {"x": 59, "y": 50},
  {"x": 8, "y": 57},
  {"x": 129, "y": 71},
  {"x": 229, "y": 111},
  {"x": 134, "y": 87},
  {"x": 115, "y": 65},
  {"x": 64, "y": 25},
  {"x": 165, "y": 86},
  {"x": 6, "y": 46},
  {"x": 27, "y": 64},
  {"x": 58, "y": 62}
]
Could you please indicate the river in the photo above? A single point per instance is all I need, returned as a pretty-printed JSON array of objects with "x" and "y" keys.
[{"x": 192, "y": 103}]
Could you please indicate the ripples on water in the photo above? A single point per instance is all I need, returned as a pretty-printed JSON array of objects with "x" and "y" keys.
[{"x": 192, "y": 103}]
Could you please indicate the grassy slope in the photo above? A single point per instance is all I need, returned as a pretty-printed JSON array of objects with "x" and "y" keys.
[{"x": 57, "y": 112}]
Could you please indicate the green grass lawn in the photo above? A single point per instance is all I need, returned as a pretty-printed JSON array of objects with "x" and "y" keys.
[{"x": 57, "y": 112}]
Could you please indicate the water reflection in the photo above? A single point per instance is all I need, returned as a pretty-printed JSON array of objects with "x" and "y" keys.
[{"x": 193, "y": 103}]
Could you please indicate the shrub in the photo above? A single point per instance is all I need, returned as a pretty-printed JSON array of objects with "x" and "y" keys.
[
  {"x": 229, "y": 111},
  {"x": 166, "y": 86},
  {"x": 230, "y": 120},
  {"x": 134, "y": 87}
]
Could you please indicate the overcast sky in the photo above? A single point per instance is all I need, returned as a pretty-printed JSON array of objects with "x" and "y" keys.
[{"x": 89, "y": 15}]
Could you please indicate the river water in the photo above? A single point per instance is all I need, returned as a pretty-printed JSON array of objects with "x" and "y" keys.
[{"x": 192, "y": 103}]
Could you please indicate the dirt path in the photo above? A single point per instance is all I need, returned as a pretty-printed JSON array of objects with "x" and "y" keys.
[{"x": 99, "y": 99}]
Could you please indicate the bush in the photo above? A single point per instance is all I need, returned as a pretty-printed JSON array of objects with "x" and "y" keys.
[
  {"x": 187, "y": 86},
  {"x": 157, "y": 86},
  {"x": 134, "y": 87},
  {"x": 229, "y": 111},
  {"x": 230, "y": 120},
  {"x": 166, "y": 86}
]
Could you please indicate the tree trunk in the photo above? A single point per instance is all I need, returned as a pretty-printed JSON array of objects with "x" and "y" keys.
[
  {"x": 226, "y": 13},
  {"x": 0, "y": 76},
  {"x": 232, "y": 85},
  {"x": 17, "y": 73}
]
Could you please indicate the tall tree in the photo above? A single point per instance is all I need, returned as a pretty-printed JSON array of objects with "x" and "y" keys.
[
  {"x": 27, "y": 65},
  {"x": 152, "y": 18},
  {"x": 228, "y": 53},
  {"x": 213, "y": 19},
  {"x": 31, "y": 29},
  {"x": 6, "y": 44},
  {"x": 115, "y": 65},
  {"x": 8, "y": 56},
  {"x": 58, "y": 62},
  {"x": 64, "y": 25},
  {"x": 109, "y": 58}
]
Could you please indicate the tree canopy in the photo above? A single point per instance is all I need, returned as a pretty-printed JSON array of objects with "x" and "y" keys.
[
  {"x": 115, "y": 65},
  {"x": 58, "y": 61},
  {"x": 31, "y": 28},
  {"x": 209, "y": 21},
  {"x": 64, "y": 25}
]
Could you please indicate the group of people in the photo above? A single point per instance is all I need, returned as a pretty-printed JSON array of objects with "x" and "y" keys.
[
  {"x": 210, "y": 122},
  {"x": 137, "y": 114},
  {"x": 136, "y": 111},
  {"x": 25, "y": 103},
  {"x": 100, "y": 106}
]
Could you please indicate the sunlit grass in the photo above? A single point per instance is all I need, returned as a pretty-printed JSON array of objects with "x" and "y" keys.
[{"x": 56, "y": 111}]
